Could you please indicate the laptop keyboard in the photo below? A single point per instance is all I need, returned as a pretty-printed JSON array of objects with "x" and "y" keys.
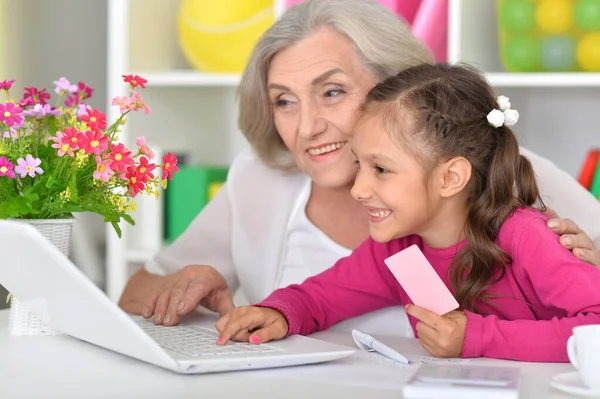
[{"x": 194, "y": 341}]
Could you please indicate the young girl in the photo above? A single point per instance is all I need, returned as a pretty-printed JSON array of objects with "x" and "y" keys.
[{"x": 439, "y": 168}]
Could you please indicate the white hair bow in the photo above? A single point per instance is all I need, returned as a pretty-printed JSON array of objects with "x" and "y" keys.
[{"x": 504, "y": 115}]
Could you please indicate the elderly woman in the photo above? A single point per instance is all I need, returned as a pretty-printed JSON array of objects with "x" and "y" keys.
[{"x": 286, "y": 212}]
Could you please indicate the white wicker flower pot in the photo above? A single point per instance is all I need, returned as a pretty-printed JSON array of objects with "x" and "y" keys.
[{"x": 29, "y": 317}]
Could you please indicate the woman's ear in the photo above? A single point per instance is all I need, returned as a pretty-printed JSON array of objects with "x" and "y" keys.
[{"x": 455, "y": 175}]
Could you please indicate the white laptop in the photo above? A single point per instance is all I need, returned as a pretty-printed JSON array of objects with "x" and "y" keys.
[{"x": 34, "y": 270}]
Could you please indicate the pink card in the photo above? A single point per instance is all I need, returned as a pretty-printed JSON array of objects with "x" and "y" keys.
[{"x": 420, "y": 281}]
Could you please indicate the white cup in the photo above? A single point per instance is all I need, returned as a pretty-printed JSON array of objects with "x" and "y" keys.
[{"x": 583, "y": 348}]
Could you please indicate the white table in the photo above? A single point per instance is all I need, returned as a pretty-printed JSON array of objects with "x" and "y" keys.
[{"x": 63, "y": 367}]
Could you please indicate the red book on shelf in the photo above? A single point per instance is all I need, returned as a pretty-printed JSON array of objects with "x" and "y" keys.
[{"x": 586, "y": 176}]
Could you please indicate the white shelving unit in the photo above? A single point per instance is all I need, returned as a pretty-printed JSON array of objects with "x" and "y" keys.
[
  {"x": 193, "y": 113},
  {"x": 558, "y": 110},
  {"x": 192, "y": 110}
]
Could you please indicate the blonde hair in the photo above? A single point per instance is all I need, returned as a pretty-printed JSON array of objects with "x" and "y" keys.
[{"x": 382, "y": 40}]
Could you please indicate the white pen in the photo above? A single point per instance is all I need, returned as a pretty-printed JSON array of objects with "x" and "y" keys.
[{"x": 368, "y": 343}]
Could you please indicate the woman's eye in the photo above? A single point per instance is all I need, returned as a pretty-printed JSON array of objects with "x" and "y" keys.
[
  {"x": 282, "y": 103},
  {"x": 381, "y": 169},
  {"x": 333, "y": 93}
]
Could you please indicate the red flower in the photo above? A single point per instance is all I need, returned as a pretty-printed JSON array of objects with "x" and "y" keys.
[
  {"x": 84, "y": 91},
  {"x": 72, "y": 99},
  {"x": 169, "y": 166},
  {"x": 145, "y": 168},
  {"x": 120, "y": 158},
  {"x": 95, "y": 119},
  {"x": 136, "y": 182},
  {"x": 34, "y": 96},
  {"x": 73, "y": 137},
  {"x": 93, "y": 142},
  {"x": 135, "y": 81},
  {"x": 6, "y": 84}
]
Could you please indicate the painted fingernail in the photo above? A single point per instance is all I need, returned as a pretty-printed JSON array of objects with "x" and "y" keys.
[
  {"x": 220, "y": 340},
  {"x": 405, "y": 307},
  {"x": 168, "y": 319},
  {"x": 157, "y": 317},
  {"x": 146, "y": 312},
  {"x": 255, "y": 339},
  {"x": 180, "y": 307},
  {"x": 552, "y": 224}
]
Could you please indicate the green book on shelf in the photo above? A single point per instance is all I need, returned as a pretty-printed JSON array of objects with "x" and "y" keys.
[
  {"x": 595, "y": 188},
  {"x": 189, "y": 192}
]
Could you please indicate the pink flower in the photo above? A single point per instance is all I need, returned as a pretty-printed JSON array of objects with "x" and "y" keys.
[
  {"x": 6, "y": 84},
  {"x": 13, "y": 133},
  {"x": 29, "y": 166},
  {"x": 64, "y": 86},
  {"x": 82, "y": 109},
  {"x": 141, "y": 142},
  {"x": 125, "y": 103},
  {"x": 62, "y": 144},
  {"x": 120, "y": 157},
  {"x": 39, "y": 111},
  {"x": 139, "y": 103},
  {"x": 103, "y": 170},
  {"x": 93, "y": 142},
  {"x": 6, "y": 168},
  {"x": 169, "y": 166},
  {"x": 11, "y": 114}
]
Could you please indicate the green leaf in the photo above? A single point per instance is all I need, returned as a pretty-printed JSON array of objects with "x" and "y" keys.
[
  {"x": 129, "y": 219},
  {"x": 51, "y": 182},
  {"x": 73, "y": 188},
  {"x": 115, "y": 225}
]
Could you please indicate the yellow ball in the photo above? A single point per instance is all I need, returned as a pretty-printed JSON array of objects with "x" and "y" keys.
[
  {"x": 588, "y": 52},
  {"x": 218, "y": 36},
  {"x": 554, "y": 16}
]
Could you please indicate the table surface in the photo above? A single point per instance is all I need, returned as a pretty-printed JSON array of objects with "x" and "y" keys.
[{"x": 64, "y": 367}]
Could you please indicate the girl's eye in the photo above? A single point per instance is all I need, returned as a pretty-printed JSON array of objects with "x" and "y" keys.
[{"x": 381, "y": 170}]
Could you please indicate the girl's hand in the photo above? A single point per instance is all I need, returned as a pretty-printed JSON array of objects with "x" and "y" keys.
[
  {"x": 442, "y": 336},
  {"x": 573, "y": 238},
  {"x": 251, "y": 324}
]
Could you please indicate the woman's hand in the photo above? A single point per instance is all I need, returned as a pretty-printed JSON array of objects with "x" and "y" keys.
[
  {"x": 252, "y": 324},
  {"x": 573, "y": 238},
  {"x": 442, "y": 336},
  {"x": 182, "y": 291}
]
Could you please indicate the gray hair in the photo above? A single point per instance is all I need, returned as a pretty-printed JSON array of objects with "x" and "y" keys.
[{"x": 383, "y": 41}]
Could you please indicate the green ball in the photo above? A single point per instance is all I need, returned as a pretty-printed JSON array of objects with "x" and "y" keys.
[
  {"x": 557, "y": 53},
  {"x": 587, "y": 14},
  {"x": 522, "y": 54},
  {"x": 517, "y": 15}
]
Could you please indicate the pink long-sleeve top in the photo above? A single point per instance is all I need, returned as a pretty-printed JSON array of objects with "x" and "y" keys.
[{"x": 545, "y": 292}]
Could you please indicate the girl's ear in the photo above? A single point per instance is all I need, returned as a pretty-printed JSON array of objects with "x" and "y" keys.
[{"x": 455, "y": 175}]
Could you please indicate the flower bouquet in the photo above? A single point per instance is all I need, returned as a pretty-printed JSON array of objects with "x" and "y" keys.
[
  {"x": 56, "y": 160},
  {"x": 61, "y": 159}
]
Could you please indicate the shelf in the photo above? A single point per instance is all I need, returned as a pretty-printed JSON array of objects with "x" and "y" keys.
[
  {"x": 543, "y": 79},
  {"x": 189, "y": 78},
  {"x": 139, "y": 255}
]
